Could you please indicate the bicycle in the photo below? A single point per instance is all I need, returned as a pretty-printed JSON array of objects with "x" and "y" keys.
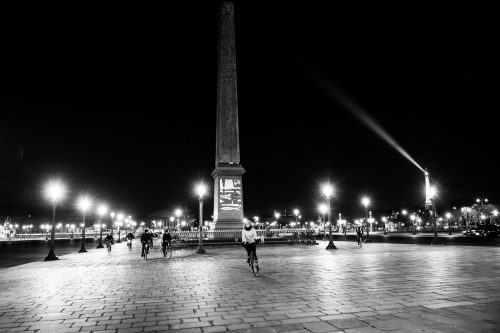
[
  {"x": 253, "y": 265},
  {"x": 167, "y": 250},
  {"x": 108, "y": 246}
]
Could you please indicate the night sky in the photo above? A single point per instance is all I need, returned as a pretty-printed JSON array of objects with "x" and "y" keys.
[{"x": 121, "y": 103}]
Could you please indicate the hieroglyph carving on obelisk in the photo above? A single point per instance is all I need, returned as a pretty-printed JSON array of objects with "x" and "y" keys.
[{"x": 228, "y": 186}]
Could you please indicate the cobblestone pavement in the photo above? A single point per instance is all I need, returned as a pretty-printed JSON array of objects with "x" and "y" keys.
[{"x": 302, "y": 288}]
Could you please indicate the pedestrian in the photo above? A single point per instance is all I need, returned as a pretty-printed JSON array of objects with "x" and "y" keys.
[
  {"x": 151, "y": 235},
  {"x": 359, "y": 232}
]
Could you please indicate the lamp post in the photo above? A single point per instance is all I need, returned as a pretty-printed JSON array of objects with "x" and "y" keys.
[
  {"x": 413, "y": 218},
  {"x": 54, "y": 192},
  {"x": 323, "y": 209},
  {"x": 112, "y": 216},
  {"x": 479, "y": 209},
  {"x": 448, "y": 216},
  {"x": 327, "y": 191},
  {"x": 84, "y": 203},
  {"x": 101, "y": 211},
  {"x": 296, "y": 213},
  {"x": 178, "y": 214},
  {"x": 365, "y": 202},
  {"x": 277, "y": 216},
  {"x": 201, "y": 190},
  {"x": 119, "y": 217},
  {"x": 432, "y": 195},
  {"x": 384, "y": 219}
]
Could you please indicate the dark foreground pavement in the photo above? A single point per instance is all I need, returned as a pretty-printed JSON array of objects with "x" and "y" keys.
[{"x": 379, "y": 287}]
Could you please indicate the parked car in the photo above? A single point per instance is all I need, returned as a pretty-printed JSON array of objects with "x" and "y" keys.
[
  {"x": 469, "y": 232},
  {"x": 487, "y": 230}
]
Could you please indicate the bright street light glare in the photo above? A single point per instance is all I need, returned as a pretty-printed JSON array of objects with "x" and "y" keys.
[
  {"x": 432, "y": 192},
  {"x": 102, "y": 209},
  {"x": 120, "y": 216},
  {"x": 54, "y": 191},
  {"x": 201, "y": 190},
  {"x": 322, "y": 208},
  {"x": 404, "y": 212},
  {"x": 295, "y": 212},
  {"x": 178, "y": 212},
  {"x": 365, "y": 201},
  {"x": 327, "y": 190},
  {"x": 277, "y": 215},
  {"x": 84, "y": 203},
  {"x": 448, "y": 215}
]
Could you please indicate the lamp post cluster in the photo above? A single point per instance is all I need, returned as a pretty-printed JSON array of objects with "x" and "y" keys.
[{"x": 55, "y": 192}]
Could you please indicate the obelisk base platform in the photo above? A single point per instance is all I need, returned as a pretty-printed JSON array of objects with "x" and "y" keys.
[{"x": 228, "y": 197}]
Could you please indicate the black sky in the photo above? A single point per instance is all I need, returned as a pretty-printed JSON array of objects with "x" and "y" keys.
[{"x": 121, "y": 102}]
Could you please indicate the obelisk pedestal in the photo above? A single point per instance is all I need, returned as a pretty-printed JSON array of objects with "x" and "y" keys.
[{"x": 228, "y": 172}]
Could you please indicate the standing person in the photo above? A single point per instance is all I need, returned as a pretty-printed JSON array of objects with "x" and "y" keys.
[
  {"x": 249, "y": 238},
  {"x": 359, "y": 232},
  {"x": 145, "y": 237},
  {"x": 151, "y": 235}
]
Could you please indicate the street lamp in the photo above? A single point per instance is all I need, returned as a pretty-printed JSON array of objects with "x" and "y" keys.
[
  {"x": 327, "y": 191},
  {"x": 119, "y": 217},
  {"x": 101, "y": 211},
  {"x": 296, "y": 213},
  {"x": 84, "y": 203},
  {"x": 54, "y": 191},
  {"x": 201, "y": 190},
  {"x": 323, "y": 209},
  {"x": 384, "y": 219},
  {"x": 277, "y": 216},
  {"x": 432, "y": 195},
  {"x": 178, "y": 214},
  {"x": 112, "y": 215},
  {"x": 448, "y": 216},
  {"x": 365, "y": 202}
]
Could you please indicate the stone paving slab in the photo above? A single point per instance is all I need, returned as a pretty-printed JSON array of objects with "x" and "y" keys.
[{"x": 303, "y": 288}]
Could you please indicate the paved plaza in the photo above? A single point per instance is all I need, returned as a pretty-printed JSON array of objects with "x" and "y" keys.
[{"x": 302, "y": 288}]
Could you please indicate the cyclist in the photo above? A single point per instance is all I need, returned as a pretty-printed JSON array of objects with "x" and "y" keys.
[
  {"x": 145, "y": 238},
  {"x": 109, "y": 240},
  {"x": 129, "y": 238},
  {"x": 166, "y": 238},
  {"x": 249, "y": 238}
]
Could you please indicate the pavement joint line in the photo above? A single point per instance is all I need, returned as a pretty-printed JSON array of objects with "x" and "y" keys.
[{"x": 300, "y": 288}]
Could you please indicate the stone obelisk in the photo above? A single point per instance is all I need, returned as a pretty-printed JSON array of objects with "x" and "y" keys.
[{"x": 228, "y": 172}]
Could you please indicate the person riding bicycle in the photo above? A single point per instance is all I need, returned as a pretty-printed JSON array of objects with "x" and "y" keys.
[
  {"x": 145, "y": 239},
  {"x": 129, "y": 238},
  {"x": 359, "y": 232},
  {"x": 109, "y": 239},
  {"x": 249, "y": 239},
  {"x": 166, "y": 238}
]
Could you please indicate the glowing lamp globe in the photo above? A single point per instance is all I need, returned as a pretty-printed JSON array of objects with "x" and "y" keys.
[
  {"x": 327, "y": 190},
  {"x": 201, "y": 190},
  {"x": 84, "y": 203},
  {"x": 54, "y": 191},
  {"x": 102, "y": 210}
]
